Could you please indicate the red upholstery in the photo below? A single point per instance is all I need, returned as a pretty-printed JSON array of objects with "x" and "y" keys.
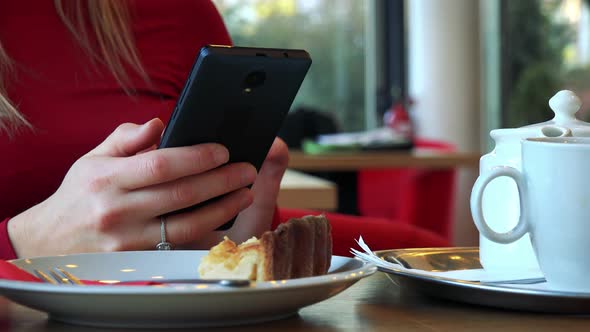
[
  {"x": 401, "y": 208},
  {"x": 420, "y": 197},
  {"x": 378, "y": 233}
]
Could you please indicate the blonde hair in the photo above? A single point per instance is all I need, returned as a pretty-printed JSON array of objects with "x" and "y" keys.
[{"x": 109, "y": 21}]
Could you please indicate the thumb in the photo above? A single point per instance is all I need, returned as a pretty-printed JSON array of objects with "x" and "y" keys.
[
  {"x": 268, "y": 182},
  {"x": 129, "y": 139}
]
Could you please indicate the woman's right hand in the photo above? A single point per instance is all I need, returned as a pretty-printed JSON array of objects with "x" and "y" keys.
[{"x": 112, "y": 197}]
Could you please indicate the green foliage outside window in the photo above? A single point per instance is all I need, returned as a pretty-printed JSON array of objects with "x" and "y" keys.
[{"x": 534, "y": 69}]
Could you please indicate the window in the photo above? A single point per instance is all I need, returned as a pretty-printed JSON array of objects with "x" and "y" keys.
[
  {"x": 332, "y": 31},
  {"x": 545, "y": 47}
]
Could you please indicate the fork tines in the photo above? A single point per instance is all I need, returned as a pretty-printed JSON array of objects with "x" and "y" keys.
[{"x": 58, "y": 276}]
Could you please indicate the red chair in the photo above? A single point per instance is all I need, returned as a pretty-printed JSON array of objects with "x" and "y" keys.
[
  {"x": 400, "y": 208},
  {"x": 378, "y": 233},
  {"x": 422, "y": 198}
]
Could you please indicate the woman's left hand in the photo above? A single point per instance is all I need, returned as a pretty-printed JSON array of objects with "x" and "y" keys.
[{"x": 257, "y": 218}]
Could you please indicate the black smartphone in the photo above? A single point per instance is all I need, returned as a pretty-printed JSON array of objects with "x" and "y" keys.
[{"x": 238, "y": 97}]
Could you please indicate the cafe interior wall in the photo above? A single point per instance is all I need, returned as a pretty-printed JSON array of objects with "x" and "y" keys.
[{"x": 444, "y": 80}]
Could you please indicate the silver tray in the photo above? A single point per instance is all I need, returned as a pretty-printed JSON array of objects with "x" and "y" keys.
[{"x": 504, "y": 296}]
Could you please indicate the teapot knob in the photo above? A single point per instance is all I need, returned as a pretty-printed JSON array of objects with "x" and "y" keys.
[{"x": 565, "y": 104}]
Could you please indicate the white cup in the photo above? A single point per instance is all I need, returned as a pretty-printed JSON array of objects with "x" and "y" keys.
[{"x": 554, "y": 195}]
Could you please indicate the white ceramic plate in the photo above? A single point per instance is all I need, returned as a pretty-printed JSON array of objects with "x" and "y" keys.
[{"x": 173, "y": 305}]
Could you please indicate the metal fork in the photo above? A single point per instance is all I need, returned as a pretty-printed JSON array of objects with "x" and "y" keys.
[{"x": 59, "y": 276}]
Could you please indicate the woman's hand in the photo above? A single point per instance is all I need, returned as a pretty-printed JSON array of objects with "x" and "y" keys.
[
  {"x": 258, "y": 217},
  {"x": 112, "y": 197}
]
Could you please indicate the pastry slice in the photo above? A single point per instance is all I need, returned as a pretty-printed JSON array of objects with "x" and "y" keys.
[{"x": 301, "y": 247}]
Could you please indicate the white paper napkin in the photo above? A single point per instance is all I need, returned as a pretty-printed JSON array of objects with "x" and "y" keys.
[{"x": 497, "y": 276}]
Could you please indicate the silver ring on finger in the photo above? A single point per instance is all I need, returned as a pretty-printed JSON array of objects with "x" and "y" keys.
[{"x": 163, "y": 245}]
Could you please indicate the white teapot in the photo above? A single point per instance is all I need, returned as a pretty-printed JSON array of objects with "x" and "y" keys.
[{"x": 500, "y": 199}]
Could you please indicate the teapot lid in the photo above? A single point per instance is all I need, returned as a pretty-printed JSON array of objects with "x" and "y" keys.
[{"x": 565, "y": 104}]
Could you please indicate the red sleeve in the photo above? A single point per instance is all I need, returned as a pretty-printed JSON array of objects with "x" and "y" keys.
[
  {"x": 6, "y": 249},
  {"x": 184, "y": 26}
]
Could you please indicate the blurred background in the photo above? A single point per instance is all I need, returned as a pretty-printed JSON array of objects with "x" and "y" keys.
[{"x": 459, "y": 67}]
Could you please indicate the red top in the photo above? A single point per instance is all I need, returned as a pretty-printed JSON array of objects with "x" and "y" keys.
[{"x": 73, "y": 104}]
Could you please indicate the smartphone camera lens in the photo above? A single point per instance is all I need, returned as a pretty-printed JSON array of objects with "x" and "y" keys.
[{"x": 253, "y": 80}]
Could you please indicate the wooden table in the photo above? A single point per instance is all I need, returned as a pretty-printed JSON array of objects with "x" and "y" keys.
[
  {"x": 353, "y": 161},
  {"x": 341, "y": 167},
  {"x": 304, "y": 191},
  {"x": 373, "y": 304}
]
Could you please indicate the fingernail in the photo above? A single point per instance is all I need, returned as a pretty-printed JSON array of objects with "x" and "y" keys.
[
  {"x": 146, "y": 124},
  {"x": 220, "y": 154}
]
